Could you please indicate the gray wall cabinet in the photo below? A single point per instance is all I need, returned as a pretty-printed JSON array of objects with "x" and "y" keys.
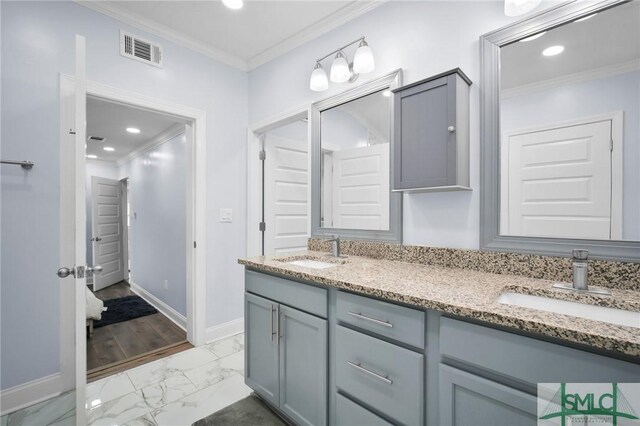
[
  {"x": 395, "y": 364},
  {"x": 431, "y": 134}
]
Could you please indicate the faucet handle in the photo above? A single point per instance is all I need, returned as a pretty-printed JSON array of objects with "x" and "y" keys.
[{"x": 580, "y": 254}]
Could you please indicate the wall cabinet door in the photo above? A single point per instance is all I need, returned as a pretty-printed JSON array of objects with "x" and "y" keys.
[
  {"x": 470, "y": 400},
  {"x": 303, "y": 367},
  {"x": 261, "y": 348}
]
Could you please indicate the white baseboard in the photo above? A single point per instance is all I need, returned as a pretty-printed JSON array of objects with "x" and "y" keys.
[
  {"x": 30, "y": 393},
  {"x": 223, "y": 330},
  {"x": 175, "y": 316}
]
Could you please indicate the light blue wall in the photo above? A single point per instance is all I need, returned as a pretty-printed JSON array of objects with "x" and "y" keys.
[
  {"x": 157, "y": 198},
  {"x": 585, "y": 99},
  {"x": 38, "y": 45},
  {"x": 340, "y": 130}
]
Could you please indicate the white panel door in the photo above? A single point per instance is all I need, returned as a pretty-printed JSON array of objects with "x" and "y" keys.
[
  {"x": 107, "y": 222},
  {"x": 560, "y": 182},
  {"x": 286, "y": 192},
  {"x": 361, "y": 188}
]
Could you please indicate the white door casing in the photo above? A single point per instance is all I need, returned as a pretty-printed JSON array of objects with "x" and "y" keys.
[
  {"x": 559, "y": 182},
  {"x": 361, "y": 188},
  {"x": 107, "y": 228},
  {"x": 286, "y": 195}
]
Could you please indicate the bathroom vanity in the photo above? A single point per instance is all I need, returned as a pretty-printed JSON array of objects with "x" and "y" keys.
[{"x": 373, "y": 341}]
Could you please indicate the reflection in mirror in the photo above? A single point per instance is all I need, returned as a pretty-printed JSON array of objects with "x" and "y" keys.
[
  {"x": 570, "y": 130},
  {"x": 354, "y": 184}
]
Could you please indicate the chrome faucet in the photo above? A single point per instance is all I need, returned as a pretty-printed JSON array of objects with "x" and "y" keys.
[
  {"x": 335, "y": 245},
  {"x": 580, "y": 270}
]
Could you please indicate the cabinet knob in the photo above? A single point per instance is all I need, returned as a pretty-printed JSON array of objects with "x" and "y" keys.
[{"x": 451, "y": 129}]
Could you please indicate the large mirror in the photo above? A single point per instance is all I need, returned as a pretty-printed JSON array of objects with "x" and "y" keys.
[
  {"x": 562, "y": 148},
  {"x": 352, "y": 164}
]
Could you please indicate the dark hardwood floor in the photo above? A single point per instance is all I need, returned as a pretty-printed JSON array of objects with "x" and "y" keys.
[{"x": 118, "y": 347}]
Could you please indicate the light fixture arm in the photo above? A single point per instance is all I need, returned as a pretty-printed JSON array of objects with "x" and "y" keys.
[{"x": 340, "y": 49}]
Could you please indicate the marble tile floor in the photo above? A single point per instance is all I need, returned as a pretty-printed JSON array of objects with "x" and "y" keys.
[{"x": 173, "y": 391}]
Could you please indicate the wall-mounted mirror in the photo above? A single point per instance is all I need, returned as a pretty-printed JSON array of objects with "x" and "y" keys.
[
  {"x": 351, "y": 164},
  {"x": 561, "y": 117}
]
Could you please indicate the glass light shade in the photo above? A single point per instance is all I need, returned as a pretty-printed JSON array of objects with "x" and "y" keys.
[
  {"x": 233, "y": 4},
  {"x": 318, "y": 81},
  {"x": 519, "y": 7},
  {"x": 340, "y": 69},
  {"x": 363, "y": 60}
]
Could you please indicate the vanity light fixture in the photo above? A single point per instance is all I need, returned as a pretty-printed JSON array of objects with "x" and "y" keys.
[
  {"x": 341, "y": 70},
  {"x": 109, "y": 148},
  {"x": 519, "y": 7},
  {"x": 133, "y": 130},
  {"x": 533, "y": 37},
  {"x": 553, "y": 50},
  {"x": 586, "y": 17},
  {"x": 233, "y": 4}
]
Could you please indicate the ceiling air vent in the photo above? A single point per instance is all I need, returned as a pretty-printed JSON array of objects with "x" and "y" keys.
[
  {"x": 139, "y": 49},
  {"x": 96, "y": 138}
]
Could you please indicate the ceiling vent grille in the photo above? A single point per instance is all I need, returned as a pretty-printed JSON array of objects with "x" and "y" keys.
[
  {"x": 96, "y": 138},
  {"x": 140, "y": 49}
]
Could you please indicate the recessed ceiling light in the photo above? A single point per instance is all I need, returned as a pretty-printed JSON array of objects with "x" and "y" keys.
[
  {"x": 553, "y": 50},
  {"x": 533, "y": 37},
  {"x": 386, "y": 93},
  {"x": 586, "y": 17},
  {"x": 233, "y": 4},
  {"x": 133, "y": 130},
  {"x": 109, "y": 148},
  {"x": 92, "y": 156}
]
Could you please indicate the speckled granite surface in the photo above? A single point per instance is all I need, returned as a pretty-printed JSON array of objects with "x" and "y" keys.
[
  {"x": 620, "y": 275},
  {"x": 468, "y": 293}
]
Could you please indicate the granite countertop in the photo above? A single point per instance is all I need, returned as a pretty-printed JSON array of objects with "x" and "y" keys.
[{"x": 466, "y": 293}]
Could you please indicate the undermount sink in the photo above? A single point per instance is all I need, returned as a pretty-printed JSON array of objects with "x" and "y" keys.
[
  {"x": 314, "y": 264},
  {"x": 576, "y": 309}
]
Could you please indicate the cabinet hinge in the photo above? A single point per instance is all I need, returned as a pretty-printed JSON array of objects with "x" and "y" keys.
[
  {"x": 194, "y": 244},
  {"x": 611, "y": 144},
  {"x": 262, "y": 226},
  {"x": 263, "y": 155}
]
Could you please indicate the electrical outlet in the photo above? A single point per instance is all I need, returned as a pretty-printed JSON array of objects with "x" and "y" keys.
[
  {"x": 226, "y": 215},
  {"x": 166, "y": 284}
]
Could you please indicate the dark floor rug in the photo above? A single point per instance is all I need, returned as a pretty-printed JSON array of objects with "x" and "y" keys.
[
  {"x": 124, "y": 309},
  {"x": 250, "y": 411}
]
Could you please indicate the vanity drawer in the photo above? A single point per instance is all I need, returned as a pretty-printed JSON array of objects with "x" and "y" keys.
[
  {"x": 526, "y": 359},
  {"x": 385, "y": 319},
  {"x": 302, "y": 296},
  {"x": 348, "y": 413},
  {"x": 381, "y": 375}
]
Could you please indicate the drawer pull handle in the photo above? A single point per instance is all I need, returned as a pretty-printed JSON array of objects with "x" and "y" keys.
[
  {"x": 377, "y": 321},
  {"x": 359, "y": 367}
]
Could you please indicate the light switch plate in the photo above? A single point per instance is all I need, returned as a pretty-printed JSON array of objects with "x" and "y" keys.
[{"x": 226, "y": 215}]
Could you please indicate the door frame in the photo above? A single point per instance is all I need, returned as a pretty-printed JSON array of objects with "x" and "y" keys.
[
  {"x": 254, "y": 174},
  {"x": 617, "y": 166},
  {"x": 195, "y": 205}
]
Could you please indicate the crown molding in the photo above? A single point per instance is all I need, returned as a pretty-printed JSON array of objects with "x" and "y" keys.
[
  {"x": 153, "y": 27},
  {"x": 326, "y": 24},
  {"x": 592, "y": 74}
]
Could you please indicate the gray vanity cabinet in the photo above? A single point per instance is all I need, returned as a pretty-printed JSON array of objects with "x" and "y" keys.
[
  {"x": 470, "y": 400},
  {"x": 431, "y": 134}
]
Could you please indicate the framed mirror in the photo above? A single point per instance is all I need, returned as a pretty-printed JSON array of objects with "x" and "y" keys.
[
  {"x": 351, "y": 164},
  {"x": 560, "y": 124}
]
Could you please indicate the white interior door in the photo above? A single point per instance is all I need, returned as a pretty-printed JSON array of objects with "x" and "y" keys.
[
  {"x": 107, "y": 228},
  {"x": 361, "y": 188},
  {"x": 559, "y": 182},
  {"x": 286, "y": 187},
  {"x": 73, "y": 363}
]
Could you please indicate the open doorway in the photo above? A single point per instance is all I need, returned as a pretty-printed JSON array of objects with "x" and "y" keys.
[{"x": 136, "y": 197}]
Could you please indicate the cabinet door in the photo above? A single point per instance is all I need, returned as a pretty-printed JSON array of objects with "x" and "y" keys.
[
  {"x": 261, "y": 348},
  {"x": 469, "y": 400},
  {"x": 303, "y": 367},
  {"x": 424, "y": 148}
]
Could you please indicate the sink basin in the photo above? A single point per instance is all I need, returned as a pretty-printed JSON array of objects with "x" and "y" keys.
[
  {"x": 314, "y": 264},
  {"x": 576, "y": 309}
]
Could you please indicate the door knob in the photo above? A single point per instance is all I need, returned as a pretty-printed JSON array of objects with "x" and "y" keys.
[
  {"x": 96, "y": 239},
  {"x": 65, "y": 272},
  {"x": 93, "y": 269}
]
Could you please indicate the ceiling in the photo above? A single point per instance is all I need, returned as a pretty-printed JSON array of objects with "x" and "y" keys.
[
  {"x": 110, "y": 120},
  {"x": 245, "y": 38},
  {"x": 608, "y": 39}
]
